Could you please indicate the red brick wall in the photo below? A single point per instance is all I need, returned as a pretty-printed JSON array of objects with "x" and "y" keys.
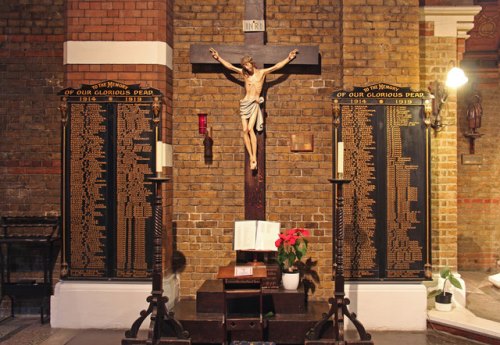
[
  {"x": 31, "y": 72},
  {"x": 209, "y": 198},
  {"x": 131, "y": 20},
  {"x": 478, "y": 192}
]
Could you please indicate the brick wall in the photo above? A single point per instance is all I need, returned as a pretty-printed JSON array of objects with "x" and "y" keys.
[
  {"x": 380, "y": 42},
  {"x": 478, "y": 191},
  {"x": 209, "y": 198},
  {"x": 373, "y": 41},
  {"x": 363, "y": 42},
  {"x": 435, "y": 56},
  {"x": 31, "y": 72},
  {"x": 117, "y": 20}
]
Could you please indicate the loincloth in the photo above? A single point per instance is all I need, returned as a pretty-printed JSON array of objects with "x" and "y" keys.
[{"x": 247, "y": 108}]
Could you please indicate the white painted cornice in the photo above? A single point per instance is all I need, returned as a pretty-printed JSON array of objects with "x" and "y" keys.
[
  {"x": 118, "y": 52},
  {"x": 450, "y": 21}
]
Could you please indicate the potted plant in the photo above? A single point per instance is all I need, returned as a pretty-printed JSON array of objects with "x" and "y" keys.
[
  {"x": 292, "y": 247},
  {"x": 442, "y": 298}
]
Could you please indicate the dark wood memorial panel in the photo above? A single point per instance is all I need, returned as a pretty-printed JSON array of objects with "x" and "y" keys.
[
  {"x": 110, "y": 136},
  {"x": 386, "y": 213},
  {"x": 87, "y": 192},
  {"x": 134, "y": 195}
]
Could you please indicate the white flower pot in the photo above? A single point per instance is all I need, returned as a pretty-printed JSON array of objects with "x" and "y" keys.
[
  {"x": 442, "y": 306},
  {"x": 290, "y": 280}
]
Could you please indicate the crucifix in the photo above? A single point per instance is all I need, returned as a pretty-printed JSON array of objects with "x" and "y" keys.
[{"x": 255, "y": 44}]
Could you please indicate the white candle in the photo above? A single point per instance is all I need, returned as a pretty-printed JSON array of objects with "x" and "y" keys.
[
  {"x": 159, "y": 156},
  {"x": 340, "y": 158}
]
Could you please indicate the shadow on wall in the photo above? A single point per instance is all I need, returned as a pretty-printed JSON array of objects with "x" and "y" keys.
[
  {"x": 472, "y": 257},
  {"x": 178, "y": 258},
  {"x": 309, "y": 276}
]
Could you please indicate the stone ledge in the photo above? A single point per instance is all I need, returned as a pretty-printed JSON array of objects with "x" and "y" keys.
[{"x": 104, "y": 305}]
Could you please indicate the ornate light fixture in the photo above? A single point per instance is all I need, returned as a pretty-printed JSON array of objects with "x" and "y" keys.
[
  {"x": 454, "y": 79},
  {"x": 474, "y": 116}
]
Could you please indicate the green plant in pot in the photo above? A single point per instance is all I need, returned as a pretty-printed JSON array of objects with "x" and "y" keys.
[
  {"x": 292, "y": 247},
  {"x": 441, "y": 296}
]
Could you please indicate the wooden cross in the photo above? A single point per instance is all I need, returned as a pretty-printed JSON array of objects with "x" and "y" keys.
[{"x": 255, "y": 45}]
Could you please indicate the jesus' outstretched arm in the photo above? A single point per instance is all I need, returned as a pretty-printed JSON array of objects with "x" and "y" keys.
[
  {"x": 224, "y": 63},
  {"x": 282, "y": 63}
]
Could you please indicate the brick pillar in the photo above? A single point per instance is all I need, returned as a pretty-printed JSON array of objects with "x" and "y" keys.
[
  {"x": 130, "y": 42},
  {"x": 442, "y": 30}
]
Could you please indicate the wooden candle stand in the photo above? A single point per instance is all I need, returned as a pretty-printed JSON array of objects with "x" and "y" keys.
[
  {"x": 339, "y": 304},
  {"x": 163, "y": 328}
]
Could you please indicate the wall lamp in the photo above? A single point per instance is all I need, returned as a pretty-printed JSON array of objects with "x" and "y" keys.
[
  {"x": 455, "y": 78},
  {"x": 202, "y": 123},
  {"x": 474, "y": 116}
]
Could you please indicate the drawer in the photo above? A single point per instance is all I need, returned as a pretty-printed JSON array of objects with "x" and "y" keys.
[{"x": 238, "y": 324}]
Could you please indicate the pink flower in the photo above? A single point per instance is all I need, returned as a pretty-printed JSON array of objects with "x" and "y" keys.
[
  {"x": 292, "y": 246},
  {"x": 278, "y": 242},
  {"x": 304, "y": 232}
]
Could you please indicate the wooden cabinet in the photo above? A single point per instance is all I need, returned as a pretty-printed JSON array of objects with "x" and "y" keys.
[{"x": 243, "y": 303}]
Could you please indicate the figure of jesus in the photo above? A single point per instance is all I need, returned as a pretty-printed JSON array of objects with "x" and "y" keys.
[{"x": 251, "y": 114}]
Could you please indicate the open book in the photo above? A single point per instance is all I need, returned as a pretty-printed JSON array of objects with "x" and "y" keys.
[{"x": 255, "y": 235}]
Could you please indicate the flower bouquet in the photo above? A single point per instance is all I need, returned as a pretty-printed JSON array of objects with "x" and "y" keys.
[{"x": 292, "y": 247}]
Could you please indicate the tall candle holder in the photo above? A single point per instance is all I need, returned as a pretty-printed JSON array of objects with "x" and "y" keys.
[
  {"x": 163, "y": 328},
  {"x": 339, "y": 303},
  {"x": 63, "y": 108}
]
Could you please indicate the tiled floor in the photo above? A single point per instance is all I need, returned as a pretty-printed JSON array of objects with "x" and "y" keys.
[
  {"x": 483, "y": 300},
  {"x": 35, "y": 334}
]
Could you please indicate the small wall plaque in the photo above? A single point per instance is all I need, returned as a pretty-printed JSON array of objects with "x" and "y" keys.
[
  {"x": 302, "y": 143},
  {"x": 254, "y": 25},
  {"x": 472, "y": 159}
]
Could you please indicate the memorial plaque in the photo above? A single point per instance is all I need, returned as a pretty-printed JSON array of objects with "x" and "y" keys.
[
  {"x": 110, "y": 136},
  {"x": 88, "y": 172},
  {"x": 386, "y": 214}
]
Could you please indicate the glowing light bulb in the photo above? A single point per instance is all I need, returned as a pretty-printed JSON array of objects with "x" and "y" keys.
[{"x": 456, "y": 78}]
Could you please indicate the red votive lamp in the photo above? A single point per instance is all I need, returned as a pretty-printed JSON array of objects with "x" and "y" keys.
[{"x": 202, "y": 123}]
